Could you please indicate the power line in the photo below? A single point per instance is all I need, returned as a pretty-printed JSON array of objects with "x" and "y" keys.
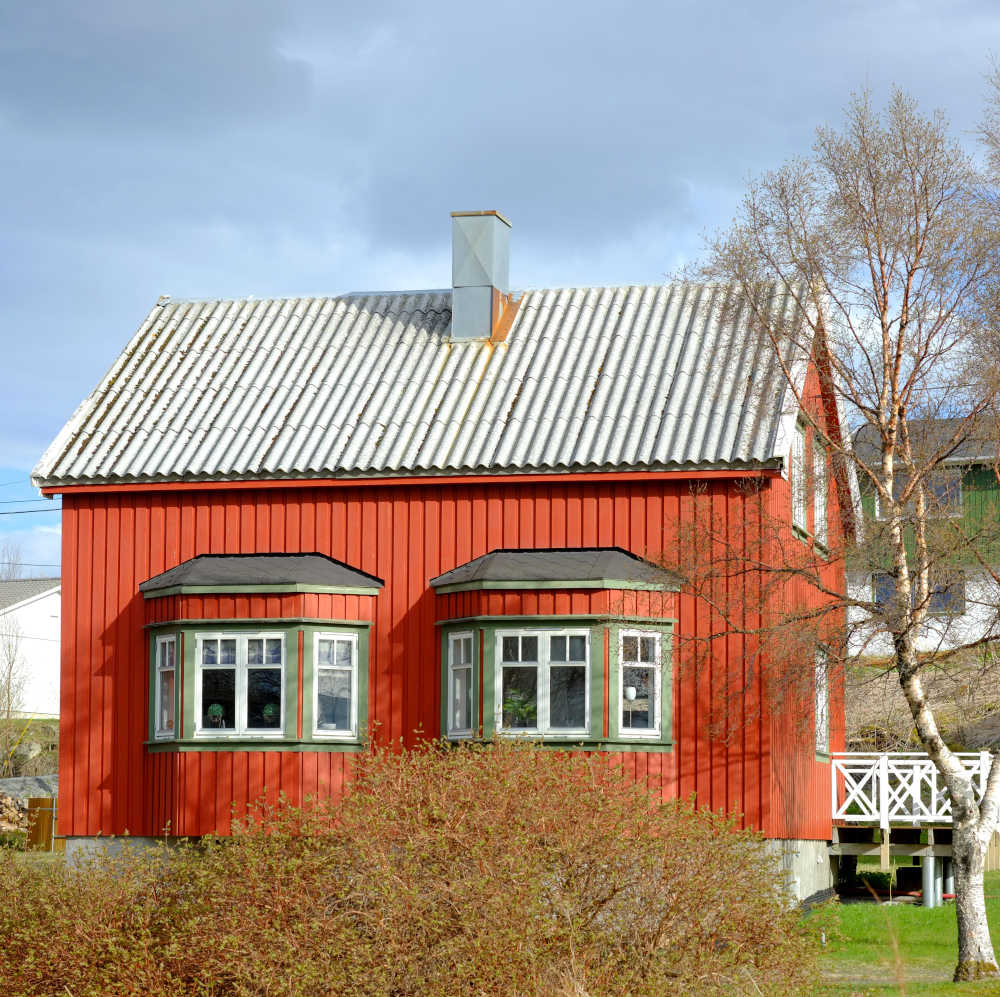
[
  {"x": 31, "y": 564},
  {"x": 27, "y": 512},
  {"x": 21, "y": 501},
  {"x": 7, "y": 484}
]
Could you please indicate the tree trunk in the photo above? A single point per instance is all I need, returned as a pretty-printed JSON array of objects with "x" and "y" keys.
[{"x": 976, "y": 960}]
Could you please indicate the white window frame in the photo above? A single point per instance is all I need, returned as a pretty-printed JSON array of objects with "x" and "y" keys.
[
  {"x": 160, "y": 731},
  {"x": 240, "y": 730},
  {"x": 453, "y": 667},
  {"x": 542, "y": 727},
  {"x": 352, "y": 638},
  {"x": 821, "y": 701},
  {"x": 820, "y": 489},
  {"x": 653, "y": 733},
  {"x": 797, "y": 477}
]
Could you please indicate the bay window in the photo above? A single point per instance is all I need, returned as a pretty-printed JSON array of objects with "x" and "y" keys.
[
  {"x": 639, "y": 679},
  {"x": 336, "y": 685},
  {"x": 165, "y": 685},
  {"x": 543, "y": 681},
  {"x": 460, "y": 685},
  {"x": 239, "y": 684}
]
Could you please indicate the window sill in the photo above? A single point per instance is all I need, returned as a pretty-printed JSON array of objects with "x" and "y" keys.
[
  {"x": 586, "y": 743},
  {"x": 812, "y": 540},
  {"x": 255, "y": 744}
]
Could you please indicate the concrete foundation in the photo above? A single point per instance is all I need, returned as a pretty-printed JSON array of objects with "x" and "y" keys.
[
  {"x": 807, "y": 868},
  {"x": 80, "y": 849}
]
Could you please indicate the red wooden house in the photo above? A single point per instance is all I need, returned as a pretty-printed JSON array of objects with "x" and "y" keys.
[{"x": 291, "y": 525}]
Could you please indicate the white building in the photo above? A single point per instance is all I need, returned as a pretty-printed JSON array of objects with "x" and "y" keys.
[{"x": 30, "y": 611}]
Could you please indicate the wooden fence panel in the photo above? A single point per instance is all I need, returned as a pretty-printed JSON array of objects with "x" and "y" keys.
[{"x": 42, "y": 825}]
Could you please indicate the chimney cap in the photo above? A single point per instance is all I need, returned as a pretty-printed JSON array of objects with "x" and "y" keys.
[{"x": 474, "y": 214}]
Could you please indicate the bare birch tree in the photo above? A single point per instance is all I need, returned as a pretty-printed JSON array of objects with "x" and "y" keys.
[
  {"x": 12, "y": 683},
  {"x": 11, "y": 561},
  {"x": 888, "y": 238}
]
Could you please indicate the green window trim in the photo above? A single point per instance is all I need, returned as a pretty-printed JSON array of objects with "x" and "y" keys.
[
  {"x": 279, "y": 622},
  {"x": 615, "y": 584},
  {"x": 602, "y": 618},
  {"x": 484, "y": 632},
  {"x": 186, "y": 634},
  {"x": 260, "y": 590}
]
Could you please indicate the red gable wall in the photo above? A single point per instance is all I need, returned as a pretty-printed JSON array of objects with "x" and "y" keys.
[{"x": 405, "y": 534}]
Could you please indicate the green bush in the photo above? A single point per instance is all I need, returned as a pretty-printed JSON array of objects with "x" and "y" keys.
[
  {"x": 503, "y": 869},
  {"x": 17, "y": 840}
]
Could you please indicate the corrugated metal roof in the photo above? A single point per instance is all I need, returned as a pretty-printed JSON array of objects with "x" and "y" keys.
[
  {"x": 20, "y": 589},
  {"x": 609, "y": 378}
]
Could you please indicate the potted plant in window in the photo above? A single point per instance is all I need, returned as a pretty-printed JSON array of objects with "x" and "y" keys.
[
  {"x": 519, "y": 709},
  {"x": 216, "y": 715}
]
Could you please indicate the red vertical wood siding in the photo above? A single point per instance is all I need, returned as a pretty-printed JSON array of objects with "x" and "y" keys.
[{"x": 404, "y": 534}]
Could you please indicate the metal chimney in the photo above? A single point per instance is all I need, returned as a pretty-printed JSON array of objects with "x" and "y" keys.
[{"x": 480, "y": 272}]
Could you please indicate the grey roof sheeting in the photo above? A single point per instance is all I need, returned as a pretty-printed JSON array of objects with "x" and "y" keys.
[
  {"x": 586, "y": 566},
  {"x": 259, "y": 571},
  {"x": 615, "y": 378},
  {"x": 978, "y": 442},
  {"x": 20, "y": 589}
]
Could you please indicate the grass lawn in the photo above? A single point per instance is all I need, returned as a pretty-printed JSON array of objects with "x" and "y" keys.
[{"x": 862, "y": 961}]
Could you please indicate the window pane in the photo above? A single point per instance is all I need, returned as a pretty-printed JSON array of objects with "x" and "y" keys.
[
  {"x": 167, "y": 654},
  {"x": 466, "y": 651},
  {"x": 884, "y": 586},
  {"x": 798, "y": 476},
  {"x": 209, "y": 652},
  {"x": 165, "y": 721},
  {"x": 819, "y": 492},
  {"x": 568, "y": 697},
  {"x": 227, "y": 651},
  {"x": 520, "y": 697},
  {"x": 557, "y": 648},
  {"x": 334, "y": 700},
  {"x": 822, "y": 704},
  {"x": 325, "y": 652},
  {"x": 218, "y": 699},
  {"x": 638, "y": 698},
  {"x": 578, "y": 649},
  {"x": 529, "y": 648},
  {"x": 630, "y": 648},
  {"x": 647, "y": 649},
  {"x": 947, "y": 595},
  {"x": 272, "y": 651},
  {"x": 255, "y": 651},
  {"x": 461, "y": 698},
  {"x": 343, "y": 658},
  {"x": 264, "y": 698},
  {"x": 510, "y": 649}
]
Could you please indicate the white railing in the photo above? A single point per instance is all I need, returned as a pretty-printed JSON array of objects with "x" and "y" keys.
[{"x": 901, "y": 787}]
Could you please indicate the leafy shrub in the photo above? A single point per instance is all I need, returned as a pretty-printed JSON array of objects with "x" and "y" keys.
[
  {"x": 18, "y": 840},
  {"x": 503, "y": 869}
]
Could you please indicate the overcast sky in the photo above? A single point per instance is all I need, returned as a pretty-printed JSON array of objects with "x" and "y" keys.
[{"x": 203, "y": 149}]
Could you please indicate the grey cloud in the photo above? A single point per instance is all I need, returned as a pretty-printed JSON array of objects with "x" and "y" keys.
[{"x": 247, "y": 145}]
